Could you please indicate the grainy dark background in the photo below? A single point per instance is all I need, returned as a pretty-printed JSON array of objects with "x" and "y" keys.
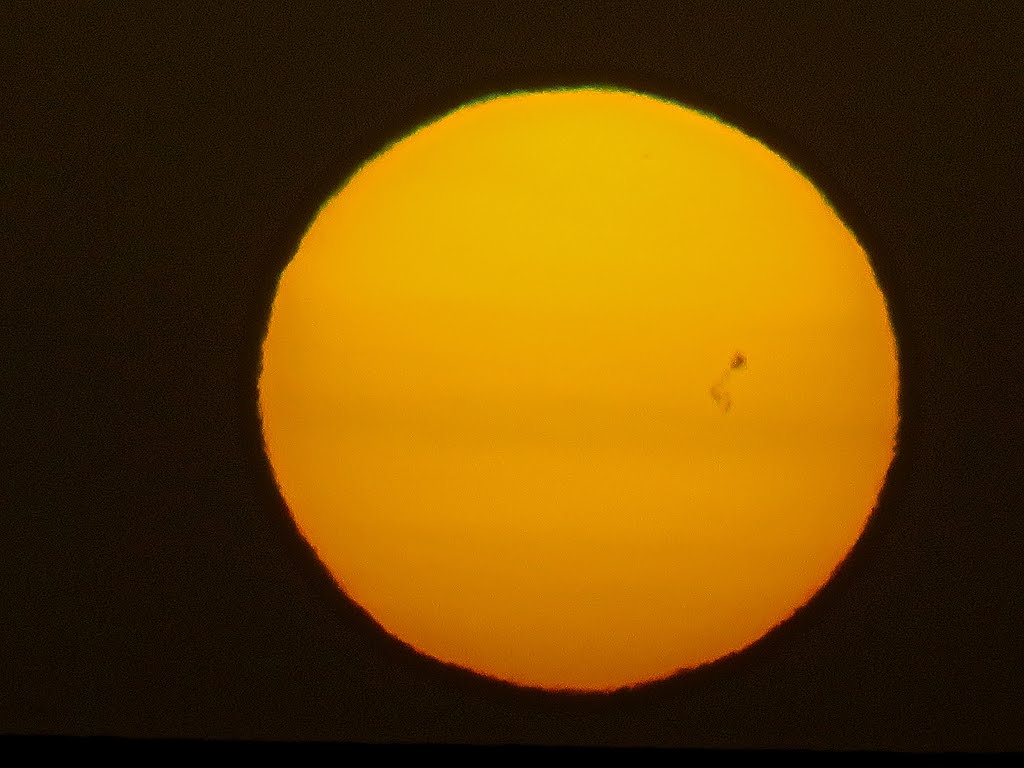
[{"x": 158, "y": 166}]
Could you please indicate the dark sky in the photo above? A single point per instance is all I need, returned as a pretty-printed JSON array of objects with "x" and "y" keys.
[{"x": 158, "y": 167}]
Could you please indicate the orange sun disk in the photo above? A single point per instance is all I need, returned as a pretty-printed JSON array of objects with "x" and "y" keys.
[{"x": 579, "y": 388}]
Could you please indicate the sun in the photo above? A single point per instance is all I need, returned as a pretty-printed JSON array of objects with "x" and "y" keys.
[{"x": 579, "y": 388}]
